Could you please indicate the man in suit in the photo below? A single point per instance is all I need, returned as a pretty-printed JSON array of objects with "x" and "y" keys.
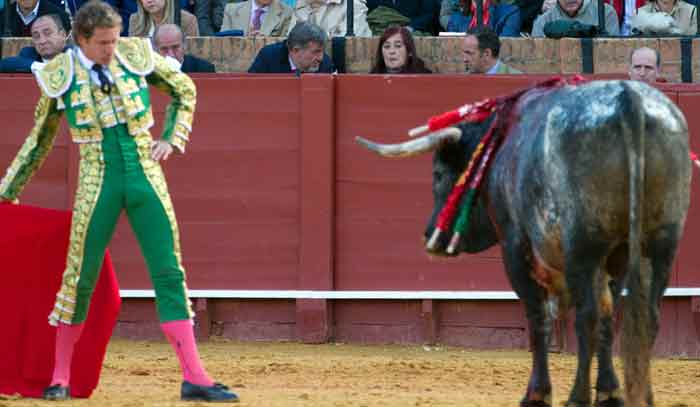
[
  {"x": 258, "y": 17},
  {"x": 16, "y": 19},
  {"x": 480, "y": 50},
  {"x": 48, "y": 40},
  {"x": 301, "y": 52},
  {"x": 169, "y": 41}
]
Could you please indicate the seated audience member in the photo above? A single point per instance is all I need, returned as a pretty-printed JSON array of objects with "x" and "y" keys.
[
  {"x": 625, "y": 10},
  {"x": 301, "y": 52},
  {"x": 503, "y": 17},
  {"x": 418, "y": 15},
  {"x": 454, "y": 15},
  {"x": 396, "y": 53},
  {"x": 210, "y": 15},
  {"x": 258, "y": 17},
  {"x": 16, "y": 18},
  {"x": 682, "y": 21},
  {"x": 645, "y": 65},
  {"x": 582, "y": 11},
  {"x": 481, "y": 48},
  {"x": 48, "y": 40},
  {"x": 169, "y": 41},
  {"x": 152, "y": 13},
  {"x": 331, "y": 16}
]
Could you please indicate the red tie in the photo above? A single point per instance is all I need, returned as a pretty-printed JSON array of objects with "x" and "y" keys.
[{"x": 256, "y": 18}]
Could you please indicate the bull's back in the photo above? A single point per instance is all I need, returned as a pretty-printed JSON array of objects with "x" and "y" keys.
[{"x": 565, "y": 163}]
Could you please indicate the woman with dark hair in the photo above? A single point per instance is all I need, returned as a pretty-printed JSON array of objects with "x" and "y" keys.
[{"x": 397, "y": 53}]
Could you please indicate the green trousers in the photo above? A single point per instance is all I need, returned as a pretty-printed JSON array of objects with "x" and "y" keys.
[{"x": 125, "y": 187}]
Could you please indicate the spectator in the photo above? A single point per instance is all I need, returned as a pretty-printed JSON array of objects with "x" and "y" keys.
[
  {"x": 301, "y": 52},
  {"x": 645, "y": 64},
  {"x": 418, "y": 15},
  {"x": 210, "y": 15},
  {"x": 626, "y": 9},
  {"x": 397, "y": 54},
  {"x": 454, "y": 15},
  {"x": 684, "y": 22},
  {"x": 583, "y": 11},
  {"x": 503, "y": 17},
  {"x": 152, "y": 13},
  {"x": 331, "y": 16},
  {"x": 17, "y": 18},
  {"x": 169, "y": 41},
  {"x": 48, "y": 40},
  {"x": 481, "y": 48},
  {"x": 258, "y": 17}
]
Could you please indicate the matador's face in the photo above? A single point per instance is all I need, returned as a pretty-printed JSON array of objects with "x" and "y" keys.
[{"x": 100, "y": 47}]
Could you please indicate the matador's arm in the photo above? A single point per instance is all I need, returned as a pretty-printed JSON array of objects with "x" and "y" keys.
[{"x": 180, "y": 112}]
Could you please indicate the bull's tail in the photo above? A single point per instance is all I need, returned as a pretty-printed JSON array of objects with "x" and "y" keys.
[{"x": 636, "y": 343}]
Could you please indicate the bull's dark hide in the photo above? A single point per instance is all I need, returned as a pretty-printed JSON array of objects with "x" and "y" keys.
[{"x": 558, "y": 200}]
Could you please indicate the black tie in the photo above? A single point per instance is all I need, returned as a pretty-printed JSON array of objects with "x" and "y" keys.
[{"x": 105, "y": 85}]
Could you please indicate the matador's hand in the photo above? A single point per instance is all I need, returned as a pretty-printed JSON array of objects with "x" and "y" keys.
[{"x": 160, "y": 150}]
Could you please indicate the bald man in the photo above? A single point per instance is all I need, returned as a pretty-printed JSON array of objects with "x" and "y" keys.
[
  {"x": 645, "y": 65},
  {"x": 169, "y": 41}
]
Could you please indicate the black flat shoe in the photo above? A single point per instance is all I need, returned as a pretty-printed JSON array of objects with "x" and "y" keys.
[
  {"x": 57, "y": 392},
  {"x": 216, "y": 393}
]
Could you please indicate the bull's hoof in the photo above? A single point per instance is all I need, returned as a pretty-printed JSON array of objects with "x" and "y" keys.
[
  {"x": 610, "y": 403},
  {"x": 534, "y": 403},
  {"x": 614, "y": 398}
]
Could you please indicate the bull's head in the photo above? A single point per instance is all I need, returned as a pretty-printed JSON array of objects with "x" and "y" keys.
[{"x": 452, "y": 148}]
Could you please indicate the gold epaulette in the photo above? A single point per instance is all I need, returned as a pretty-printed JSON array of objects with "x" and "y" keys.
[
  {"x": 136, "y": 54},
  {"x": 57, "y": 75}
]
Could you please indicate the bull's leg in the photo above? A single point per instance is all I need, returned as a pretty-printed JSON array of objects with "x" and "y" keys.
[
  {"x": 516, "y": 255},
  {"x": 608, "y": 393},
  {"x": 661, "y": 250},
  {"x": 581, "y": 270}
]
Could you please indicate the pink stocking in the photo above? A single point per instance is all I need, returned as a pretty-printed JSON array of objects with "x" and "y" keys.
[
  {"x": 181, "y": 337},
  {"x": 66, "y": 337}
]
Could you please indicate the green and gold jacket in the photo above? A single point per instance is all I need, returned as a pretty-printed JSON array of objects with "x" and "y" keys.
[{"x": 65, "y": 87}]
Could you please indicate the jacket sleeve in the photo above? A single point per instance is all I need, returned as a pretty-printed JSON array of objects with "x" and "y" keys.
[
  {"x": 360, "y": 26},
  {"x": 260, "y": 64},
  {"x": 180, "y": 112},
  {"x": 202, "y": 10},
  {"x": 34, "y": 150},
  {"x": 424, "y": 19},
  {"x": 15, "y": 65}
]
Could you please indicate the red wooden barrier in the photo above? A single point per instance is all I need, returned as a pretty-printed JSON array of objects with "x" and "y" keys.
[{"x": 274, "y": 194}]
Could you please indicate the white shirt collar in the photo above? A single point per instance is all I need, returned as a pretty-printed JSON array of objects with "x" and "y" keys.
[
  {"x": 28, "y": 19},
  {"x": 494, "y": 69},
  {"x": 291, "y": 63},
  {"x": 88, "y": 64}
]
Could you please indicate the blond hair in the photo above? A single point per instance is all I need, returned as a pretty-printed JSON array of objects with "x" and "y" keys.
[
  {"x": 95, "y": 14},
  {"x": 141, "y": 27}
]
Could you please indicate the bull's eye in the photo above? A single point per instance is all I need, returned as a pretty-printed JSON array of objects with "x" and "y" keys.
[{"x": 437, "y": 177}]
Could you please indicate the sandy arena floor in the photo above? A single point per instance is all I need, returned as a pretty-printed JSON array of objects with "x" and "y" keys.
[{"x": 138, "y": 373}]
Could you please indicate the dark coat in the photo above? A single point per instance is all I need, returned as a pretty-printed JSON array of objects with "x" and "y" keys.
[
  {"x": 194, "y": 64},
  {"x": 20, "y": 63},
  {"x": 11, "y": 25},
  {"x": 421, "y": 12},
  {"x": 274, "y": 58}
]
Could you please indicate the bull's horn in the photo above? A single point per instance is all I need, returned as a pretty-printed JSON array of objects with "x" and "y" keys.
[{"x": 424, "y": 144}]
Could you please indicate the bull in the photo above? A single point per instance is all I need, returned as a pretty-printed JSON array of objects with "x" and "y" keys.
[{"x": 587, "y": 195}]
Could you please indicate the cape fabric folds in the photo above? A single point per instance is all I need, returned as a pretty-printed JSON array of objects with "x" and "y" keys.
[{"x": 33, "y": 245}]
